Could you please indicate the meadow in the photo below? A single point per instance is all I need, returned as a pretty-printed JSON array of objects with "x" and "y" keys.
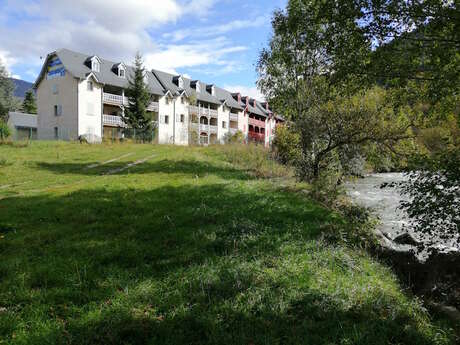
[{"x": 142, "y": 244}]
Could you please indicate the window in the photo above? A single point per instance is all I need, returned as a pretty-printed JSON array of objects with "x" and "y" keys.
[
  {"x": 57, "y": 110},
  {"x": 166, "y": 119},
  {"x": 56, "y": 133},
  {"x": 90, "y": 109},
  {"x": 96, "y": 66},
  {"x": 224, "y": 124},
  {"x": 55, "y": 89},
  {"x": 182, "y": 100},
  {"x": 182, "y": 118},
  {"x": 121, "y": 72},
  {"x": 90, "y": 85},
  {"x": 167, "y": 100}
]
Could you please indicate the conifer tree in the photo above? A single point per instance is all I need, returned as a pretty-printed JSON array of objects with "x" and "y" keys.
[
  {"x": 29, "y": 106},
  {"x": 136, "y": 115}
]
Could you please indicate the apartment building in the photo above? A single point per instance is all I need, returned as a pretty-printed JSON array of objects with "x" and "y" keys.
[{"x": 84, "y": 95}]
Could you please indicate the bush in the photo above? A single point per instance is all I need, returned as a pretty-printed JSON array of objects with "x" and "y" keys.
[
  {"x": 237, "y": 138},
  {"x": 287, "y": 145},
  {"x": 5, "y": 131}
]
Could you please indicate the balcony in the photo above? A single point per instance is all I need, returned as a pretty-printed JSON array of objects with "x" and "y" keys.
[
  {"x": 233, "y": 130},
  {"x": 204, "y": 128},
  {"x": 260, "y": 137},
  {"x": 154, "y": 106},
  {"x": 233, "y": 117},
  {"x": 213, "y": 129},
  {"x": 110, "y": 98},
  {"x": 256, "y": 123},
  {"x": 202, "y": 111},
  {"x": 113, "y": 121}
]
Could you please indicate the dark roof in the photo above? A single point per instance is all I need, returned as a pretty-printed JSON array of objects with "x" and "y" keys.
[
  {"x": 75, "y": 64},
  {"x": 168, "y": 79},
  {"x": 225, "y": 96},
  {"x": 159, "y": 82}
]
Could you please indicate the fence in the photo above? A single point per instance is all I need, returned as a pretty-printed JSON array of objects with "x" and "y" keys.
[{"x": 130, "y": 134}]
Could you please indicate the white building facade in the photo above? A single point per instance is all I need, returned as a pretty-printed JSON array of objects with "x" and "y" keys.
[{"x": 82, "y": 95}]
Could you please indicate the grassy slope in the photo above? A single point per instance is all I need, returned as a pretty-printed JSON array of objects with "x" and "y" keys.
[{"x": 183, "y": 249}]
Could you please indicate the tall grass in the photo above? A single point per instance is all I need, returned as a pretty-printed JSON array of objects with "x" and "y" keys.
[{"x": 256, "y": 159}]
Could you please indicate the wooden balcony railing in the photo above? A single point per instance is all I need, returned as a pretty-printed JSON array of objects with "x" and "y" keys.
[
  {"x": 110, "y": 98},
  {"x": 233, "y": 117},
  {"x": 154, "y": 106},
  {"x": 114, "y": 121},
  {"x": 202, "y": 111},
  {"x": 257, "y": 123}
]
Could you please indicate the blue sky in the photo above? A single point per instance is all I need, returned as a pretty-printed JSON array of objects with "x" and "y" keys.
[{"x": 210, "y": 40}]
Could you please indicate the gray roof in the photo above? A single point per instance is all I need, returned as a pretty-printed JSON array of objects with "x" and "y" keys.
[
  {"x": 257, "y": 110},
  {"x": 167, "y": 80},
  {"x": 22, "y": 120},
  {"x": 159, "y": 82},
  {"x": 225, "y": 96},
  {"x": 75, "y": 64}
]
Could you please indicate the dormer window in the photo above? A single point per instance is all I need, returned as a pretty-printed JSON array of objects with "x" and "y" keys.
[
  {"x": 211, "y": 89},
  {"x": 179, "y": 81},
  {"x": 119, "y": 69},
  {"x": 95, "y": 65}
]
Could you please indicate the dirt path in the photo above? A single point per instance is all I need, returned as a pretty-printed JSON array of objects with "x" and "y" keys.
[
  {"x": 130, "y": 165},
  {"x": 92, "y": 166}
]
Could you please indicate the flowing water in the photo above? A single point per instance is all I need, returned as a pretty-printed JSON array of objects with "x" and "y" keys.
[{"x": 385, "y": 202}]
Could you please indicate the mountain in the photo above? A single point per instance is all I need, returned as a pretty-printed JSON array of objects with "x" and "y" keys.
[{"x": 22, "y": 87}]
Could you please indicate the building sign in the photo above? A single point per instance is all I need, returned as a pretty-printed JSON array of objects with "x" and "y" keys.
[{"x": 55, "y": 69}]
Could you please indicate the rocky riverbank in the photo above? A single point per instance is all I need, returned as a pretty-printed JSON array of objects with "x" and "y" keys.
[{"x": 433, "y": 275}]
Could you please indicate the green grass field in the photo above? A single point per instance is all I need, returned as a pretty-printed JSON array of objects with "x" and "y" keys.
[{"x": 182, "y": 248}]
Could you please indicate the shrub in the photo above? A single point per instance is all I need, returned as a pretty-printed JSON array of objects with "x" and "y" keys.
[
  {"x": 237, "y": 138},
  {"x": 5, "y": 131},
  {"x": 286, "y": 145}
]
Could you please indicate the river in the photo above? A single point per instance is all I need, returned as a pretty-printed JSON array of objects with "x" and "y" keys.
[{"x": 385, "y": 202}]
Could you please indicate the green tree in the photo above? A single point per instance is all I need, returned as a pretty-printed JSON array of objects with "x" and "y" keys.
[
  {"x": 311, "y": 74},
  {"x": 29, "y": 106},
  {"x": 7, "y": 101},
  {"x": 139, "y": 97},
  {"x": 5, "y": 130}
]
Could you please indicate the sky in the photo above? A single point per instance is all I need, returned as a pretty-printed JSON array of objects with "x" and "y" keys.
[{"x": 215, "y": 41}]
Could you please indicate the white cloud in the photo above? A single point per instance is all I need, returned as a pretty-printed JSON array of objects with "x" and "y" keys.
[
  {"x": 211, "y": 52},
  {"x": 7, "y": 60},
  {"x": 252, "y": 92},
  {"x": 16, "y": 76},
  {"x": 110, "y": 28},
  {"x": 116, "y": 29},
  {"x": 214, "y": 30}
]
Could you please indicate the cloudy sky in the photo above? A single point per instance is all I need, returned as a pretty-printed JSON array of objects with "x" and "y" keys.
[{"x": 216, "y": 41}]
